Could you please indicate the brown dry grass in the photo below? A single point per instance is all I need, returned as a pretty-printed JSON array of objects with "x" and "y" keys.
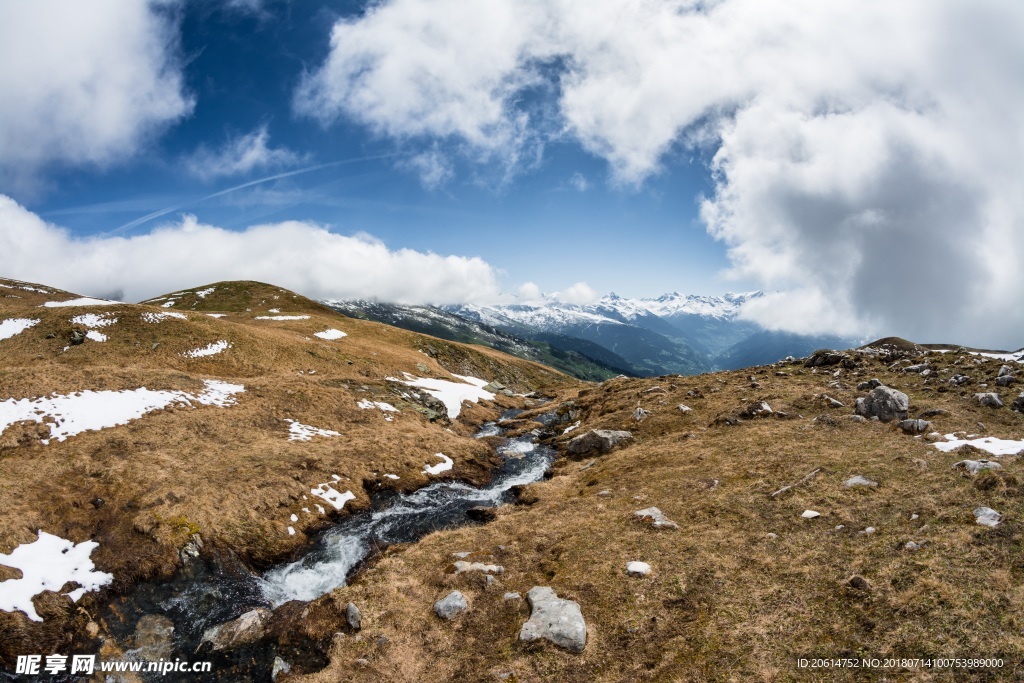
[
  {"x": 725, "y": 602},
  {"x": 229, "y": 474}
]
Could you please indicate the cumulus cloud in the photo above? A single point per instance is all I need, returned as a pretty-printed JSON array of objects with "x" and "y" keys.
[
  {"x": 580, "y": 293},
  {"x": 239, "y": 155},
  {"x": 85, "y": 82},
  {"x": 867, "y": 153},
  {"x": 305, "y": 257},
  {"x": 529, "y": 292}
]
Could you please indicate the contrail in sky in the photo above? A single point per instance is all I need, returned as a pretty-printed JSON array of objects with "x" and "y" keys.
[{"x": 177, "y": 207}]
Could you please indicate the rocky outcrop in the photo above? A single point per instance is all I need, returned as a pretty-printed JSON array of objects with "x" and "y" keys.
[
  {"x": 554, "y": 619},
  {"x": 885, "y": 403},
  {"x": 989, "y": 400},
  {"x": 246, "y": 629},
  {"x": 598, "y": 441}
]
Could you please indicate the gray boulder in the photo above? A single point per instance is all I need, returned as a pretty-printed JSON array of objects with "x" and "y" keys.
[
  {"x": 885, "y": 403},
  {"x": 1005, "y": 370},
  {"x": 859, "y": 480},
  {"x": 598, "y": 440},
  {"x": 353, "y": 616},
  {"x": 554, "y": 619},
  {"x": 869, "y": 385},
  {"x": 639, "y": 414},
  {"x": 987, "y": 517},
  {"x": 957, "y": 380},
  {"x": 1018, "y": 403},
  {"x": 989, "y": 399},
  {"x": 975, "y": 466},
  {"x": 1006, "y": 380},
  {"x": 451, "y": 605},
  {"x": 756, "y": 409},
  {"x": 914, "y": 426},
  {"x": 246, "y": 629}
]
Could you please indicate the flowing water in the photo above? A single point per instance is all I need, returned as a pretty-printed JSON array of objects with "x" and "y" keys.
[{"x": 203, "y": 595}]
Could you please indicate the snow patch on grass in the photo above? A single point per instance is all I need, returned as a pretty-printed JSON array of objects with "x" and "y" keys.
[
  {"x": 336, "y": 499},
  {"x": 452, "y": 394},
  {"x": 154, "y": 318},
  {"x": 443, "y": 466},
  {"x": 95, "y": 336},
  {"x": 282, "y": 317},
  {"x": 93, "y": 320},
  {"x": 208, "y": 350},
  {"x": 330, "y": 334},
  {"x": 82, "y": 411},
  {"x": 203, "y": 293},
  {"x": 301, "y": 432},
  {"x": 13, "y": 326},
  {"x": 47, "y": 564},
  {"x": 988, "y": 443},
  {"x": 82, "y": 301}
]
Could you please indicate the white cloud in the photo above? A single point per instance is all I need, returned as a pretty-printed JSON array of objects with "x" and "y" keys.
[
  {"x": 580, "y": 293},
  {"x": 301, "y": 256},
  {"x": 84, "y": 82},
  {"x": 868, "y": 153},
  {"x": 529, "y": 292},
  {"x": 239, "y": 155},
  {"x": 433, "y": 167},
  {"x": 579, "y": 181}
]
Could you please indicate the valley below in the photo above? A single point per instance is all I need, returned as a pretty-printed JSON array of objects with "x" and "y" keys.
[{"x": 237, "y": 474}]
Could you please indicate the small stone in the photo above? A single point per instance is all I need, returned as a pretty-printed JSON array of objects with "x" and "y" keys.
[
  {"x": 869, "y": 385},
  {"x": 656, "y": 518},
  {"x": 987, "y": 516},
  {"x": 756, "y": 409},
  {"x": 858, "y": 583},
  {"x": 605, "y": 492},
  {"x": 933, "y": 437},
  {"x": 638, "y": 569},
  {"x": 914, "y": 426},
  {"x": 684, "y": 409},
  {"x": 911, "y": 546},
  {"x": 93, "y": 629},
  {"x": 975, "y": 466},
  {"x": 451, "y": 605},
  {"x": 353, "y": 617},
  {"x": 1005, "y": 370},
  {"x": 97, "y": 503},
  {"x": 772, "y": 535},
  {"x": 869, "y": 530},
  {"x": 859, "y": 480},
  {"x": 914, "y": 516},
  {"x": 839, "y": 527},
  {"x": 810, "y": 514},
  {"x": 462, "y": 554},
  {"x": 462, "y": 566},
  {"x": 557, "y": 620},
  {"x": 511, "y": 596},
  {"x": 640, "y": 414},
  {"x": 280, "y": 667},
  {"x": 246, "y": 629}
]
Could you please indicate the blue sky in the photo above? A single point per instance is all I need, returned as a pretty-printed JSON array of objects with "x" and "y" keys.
[{"x": 837, "y": 155}]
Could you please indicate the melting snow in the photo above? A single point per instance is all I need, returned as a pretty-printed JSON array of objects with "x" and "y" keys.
[
  {"x": 13, "y": 326},
  {"x": 93, "y": 410},
  {"x": 282, "y": 317},
  {"x": 208, "y": 350},
  {"x": 46, "y": 565},
  {"x": 337, "y": 500},
  {"x": 443, "y": 466},
  {"x": 202, "y": 293},
  {"x": 330, "y": 334},
  {"x": 301, "y": 432},
  {"x": 95, "y": 336},
  {"x": 83, "y": 301},
  {"x": 392, "y": 476},
  {"x": 93, "y": 320},
  {"x": 217, "y": 315},
  {"x": 452, "y": 394},
  {"x": 158, "y": 317},
  {"x": 571, "y": 427},
  {"x": 366, "y": 404},
  {"x": 1015, "y": 356},
  {"x": 989, "y": 443}
]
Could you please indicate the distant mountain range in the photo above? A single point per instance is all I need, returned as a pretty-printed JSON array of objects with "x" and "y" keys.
[{"x": 673, "y": 333}]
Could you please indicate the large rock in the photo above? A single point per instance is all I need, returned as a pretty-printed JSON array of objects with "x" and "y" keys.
[
  {"x": 353, "y": 616},
  {"x": 246, "y": 629},
  {"x": 1018, "y": 403},
  {"x": 989, "y": 399},
  {"x": 451, "y": 605},
  {"x": 554, "y": 619},
  {"x": 885, "y": 403},
  {"x": 598, "y": 440}
]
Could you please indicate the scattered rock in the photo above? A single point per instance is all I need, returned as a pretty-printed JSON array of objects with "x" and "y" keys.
[
  {"x": 934, "y": 412},
  {"x": 656, "y": 518},
  {"x": 511, "y": 596},
  {"x": 462, "y": 566},
  {"x": 1018, "y": 403},
  {"x": 826, "y": 357},
  {"x": 756, "y": 409},
  {"x": 638, "y": 568},
  {"x": 246, "y": 629},
  {"x": 93, "y": 629},
  {"x": 494, "y": 387},
  {"x": 858, "y": 583},
  {"x": 975, "y": 466},
  {"x": 885, "y": 403},
  {"x": 869, "y": 385},
  {"x": 826, "y": 419},
  {"x": 832, "y": 403},
  {"x": 727, "y": 420},
  {"x": 354, "y": 617},
  {"x": 97, "y": 503},
  {"x": 912, "y": 546},
  {"x": 654, "y": 390},
  {"x": 914, "y": 426},
  {"x": 640, "y": 414},
  {"x": 859, "y": 480},
  {"x": 989, "y": 399},
  {"x": 684, "y": 409},
  {"x": 959, "y": 380},
  {"x": 280, "y": 667},
  {"x": 77, "y": 337},
  {"x": 451, "y": 605},
  {"x": 1005, "y": 370},
  {"x": 554, "y": 619},
  {"x": 916, "y": 368},
  {"x": 599, "y": 440},
  {"x": 987, "y": 516},
  {"x": 810, "y": 514},
  {"x": 605, "y": 492},
  {"x": 869, "y": 530},
  {"x": 1006, "y": 380},
  {"x": 857, "y": 418},
  {"x": 771, "y": 535}
]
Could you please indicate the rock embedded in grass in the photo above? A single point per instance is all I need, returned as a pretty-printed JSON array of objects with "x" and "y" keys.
[
  {"x": 638, "y": 569},
  {"x": 914, "y": 426},
  {"x": 462, "y": 567},
  {"x": 599, "y": 440},
  {"x": 555, "y": 619},
  {"x": 989, "y": 399},
  {"x": 975, "y": 466},
  {"x": 655, "y": 518},
  {"x": 353, "y": 617},
  {"x": 810, "y": 514},
  {"x": 987, "y": 517},
  {"x": 451, "y": 605},
  {"x": 885, "y": 403},
  {"x": 859, "y": 480}
]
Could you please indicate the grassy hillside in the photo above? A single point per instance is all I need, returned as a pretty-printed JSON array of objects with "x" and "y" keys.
[{"x": 143, "y": 489}]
